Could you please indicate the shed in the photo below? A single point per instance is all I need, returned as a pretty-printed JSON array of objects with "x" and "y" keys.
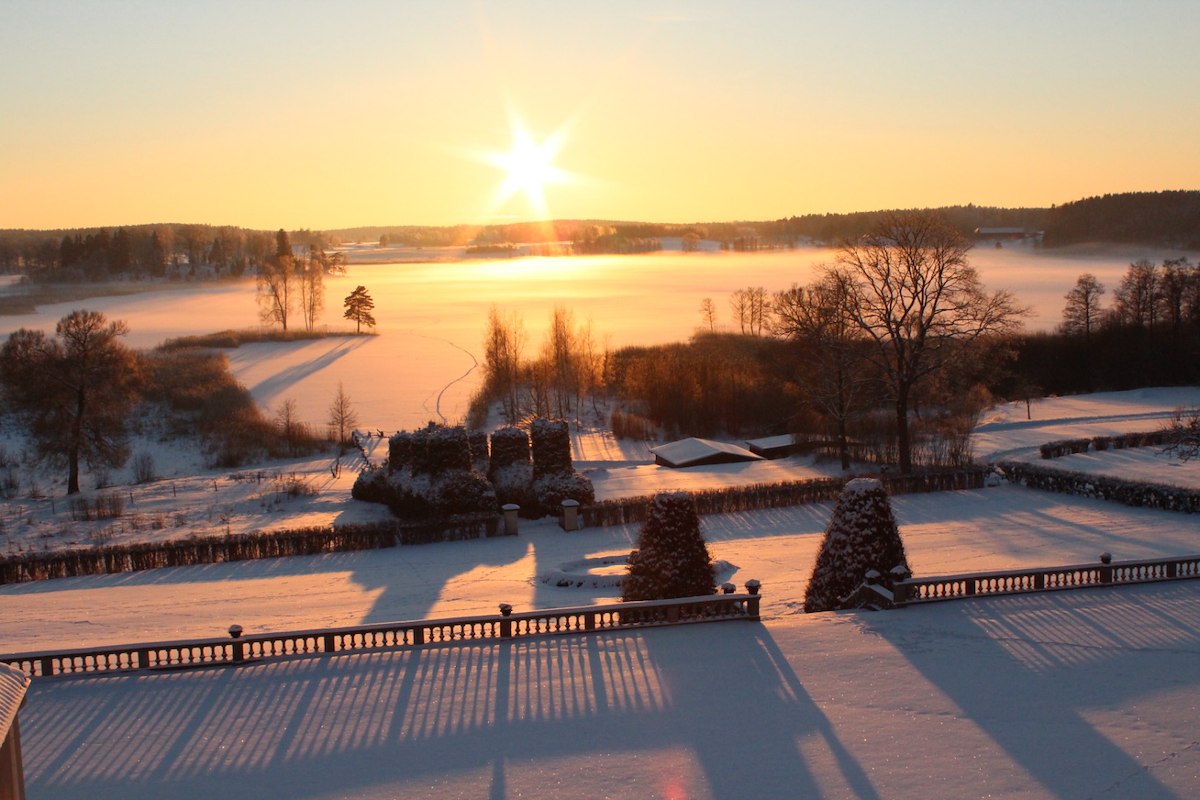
[
  {"x": 13, "y": 684},
  {"x": 777, "y": 446},
  {"x": 698, "y": 452}
]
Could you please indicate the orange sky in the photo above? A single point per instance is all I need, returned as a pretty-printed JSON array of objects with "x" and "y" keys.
[{"x": 333, "y": 114}]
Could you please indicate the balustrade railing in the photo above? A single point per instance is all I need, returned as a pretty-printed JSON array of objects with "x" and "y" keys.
[
  {"x": 1104, "y": 573},
  {"x": 241, "y": 648}
]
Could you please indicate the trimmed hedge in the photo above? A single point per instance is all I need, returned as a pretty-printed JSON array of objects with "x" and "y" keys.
[
  {"x": 759, "y": 496},
  {"x": 1102, "y": 487},
  {"x": 242, "y": 547},
  {"x": 1066, "y": 447}
]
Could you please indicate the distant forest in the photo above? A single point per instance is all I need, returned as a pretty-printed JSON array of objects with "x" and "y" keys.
[{"x": 1162, "y": 219}]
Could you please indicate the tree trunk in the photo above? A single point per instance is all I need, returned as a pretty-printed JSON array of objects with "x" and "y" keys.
[
  {"x": 903, "y": 443},
  {"x": 73, "y": 446},
  {"x": 843, "y": 445}
]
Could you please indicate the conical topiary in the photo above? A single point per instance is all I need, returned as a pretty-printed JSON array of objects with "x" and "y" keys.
[
  {"x": 861, "y": 536},
  {"x": 672, "y": 559}
]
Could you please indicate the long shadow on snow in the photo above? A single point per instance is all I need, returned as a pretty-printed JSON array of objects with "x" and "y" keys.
[
  {"x": 1102, "y": 648},
  {"x": 415, "y": 722}
]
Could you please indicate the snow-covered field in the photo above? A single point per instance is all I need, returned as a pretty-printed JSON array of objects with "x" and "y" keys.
[
  {"x": 1086, "y": 694},
  {"x": 1081, "y": 695},
  {"x": 432, "y": 316}
]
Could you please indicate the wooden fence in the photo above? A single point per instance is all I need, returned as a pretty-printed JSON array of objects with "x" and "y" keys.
[
  {"x": 240, "y": 649},
  {"x": 1105, "y": 572}
]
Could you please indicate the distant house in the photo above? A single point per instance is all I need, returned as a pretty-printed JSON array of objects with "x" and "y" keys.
[
  {"x": 698, "y": 452},
  {"x": 994, "y": 234},
  {"x": 13, "y": 684}
]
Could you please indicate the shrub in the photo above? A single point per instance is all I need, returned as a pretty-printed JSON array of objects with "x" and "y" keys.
[
  {"x": 400, "y": 449},
  {"x": 672, "y": 559},
  {"x": 551, "y": 445},
  {"x": 861, "y": 536},
  {"x": 143, "y": 468},
  {"x": 463, "y": 492},
  {"x": 549, "y": 491},
  {"x": 510, "y": 445}
]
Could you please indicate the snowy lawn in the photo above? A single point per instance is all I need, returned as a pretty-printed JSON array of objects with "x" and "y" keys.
[
  {"x": 988, "y": 529},
  {"x": 1083, "y": 694}
]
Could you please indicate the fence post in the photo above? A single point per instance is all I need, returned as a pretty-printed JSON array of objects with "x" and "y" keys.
[
  {"x": 510, "y": 518},
  {"x": 570, "y": 517},
  {"x": 239, "y": 647},
  {"x": 505, "y": 621},
  {"x": 1106, "y": 570},
  {"x": 752, "y": 610}
]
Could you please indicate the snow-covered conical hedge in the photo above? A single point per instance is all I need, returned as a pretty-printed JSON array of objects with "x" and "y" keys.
[
  {"x": 861, "y": 536},
  {"x": 672, "y": 559}
]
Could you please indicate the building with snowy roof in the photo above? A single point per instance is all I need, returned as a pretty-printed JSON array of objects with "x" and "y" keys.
[{"x": 699, "y": 452}]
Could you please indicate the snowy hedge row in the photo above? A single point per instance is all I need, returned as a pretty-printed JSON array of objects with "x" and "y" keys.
[
  {"x": 759, "y": 496},
  {"x": 241, "y": 547},
  {"x": 1066, "y": 447},
  {"x": 1102, "y": 487}
]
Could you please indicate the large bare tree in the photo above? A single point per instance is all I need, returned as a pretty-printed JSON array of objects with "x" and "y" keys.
[
  {"x": 1082, "y": 312},
  {"x": 817, "y": 317},
  {"x": 912, "y": 290},
  {"x": 74, "y": 391}
]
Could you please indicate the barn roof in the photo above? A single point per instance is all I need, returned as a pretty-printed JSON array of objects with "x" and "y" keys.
[
  {"x": 694, "y": 452},
  {"x": 13, "y": 684}
]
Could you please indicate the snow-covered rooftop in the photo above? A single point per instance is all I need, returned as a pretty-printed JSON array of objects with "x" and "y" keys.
[{"x": 693, "y": 452}]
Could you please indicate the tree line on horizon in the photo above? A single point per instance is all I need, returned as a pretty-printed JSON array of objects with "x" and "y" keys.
[{"x": 1161, "y": 219}]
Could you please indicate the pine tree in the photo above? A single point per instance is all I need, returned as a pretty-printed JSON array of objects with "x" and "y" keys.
[
  {"x": 358, "y": 308},
  {"x": 861, "y": 536},
  {"x": 672, "y": 559}
]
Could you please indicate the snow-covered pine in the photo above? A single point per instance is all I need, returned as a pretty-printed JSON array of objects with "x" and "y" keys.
[
  {"x": 862, "y": 535},
  {"x": 672, "y": 559}
]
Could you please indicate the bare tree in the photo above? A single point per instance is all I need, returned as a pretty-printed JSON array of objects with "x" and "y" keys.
[
  {"x": 1136, "y": 299},
  {"x": 502, "y": 347},
  {"x": 708, "y": 313},
  {"x": 913, "y": 292},
  {"x": 559, "y": 353},
  {"x": 1082, "y": 313},
  {"x": 276, "y": 290},
  {"x": 74, "y": 391},
  {"x": 739, "y": 303},
  {"x": 818, "y": 318},
  {"x": 342, "y": 418},
  {"x": 1183, "y": 434},
  {"x": 311, "y": 277}
]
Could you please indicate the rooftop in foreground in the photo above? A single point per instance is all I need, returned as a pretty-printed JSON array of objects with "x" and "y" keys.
[{"x": 1074, "y": 694}]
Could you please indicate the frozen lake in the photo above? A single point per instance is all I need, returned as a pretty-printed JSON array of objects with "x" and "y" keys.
[{"x": 431, "y": 316}]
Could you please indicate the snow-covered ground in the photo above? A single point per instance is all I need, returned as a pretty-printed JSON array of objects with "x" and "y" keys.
[{"x": 1086, "y": 694}]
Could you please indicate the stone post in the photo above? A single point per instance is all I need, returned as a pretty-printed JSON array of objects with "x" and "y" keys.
[
  {"x": 752, "y": 611},
  {"x": 1106, "y": 570},
  {"x": 510, "y": 518},
  {"x": 239, "y": 647},
  {"x": 505, "y": 621},
  {"x": 570, "y": 517}
]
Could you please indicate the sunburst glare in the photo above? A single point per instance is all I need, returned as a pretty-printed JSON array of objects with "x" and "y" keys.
[{"x": 529, "y": 167}]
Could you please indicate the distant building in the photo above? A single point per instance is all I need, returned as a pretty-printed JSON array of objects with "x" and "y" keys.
[
  {"x": 698, "y": 452},
  {"x": 994, "y": 234}
]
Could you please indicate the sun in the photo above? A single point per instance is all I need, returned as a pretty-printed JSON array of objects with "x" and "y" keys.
[{"x": 529, "y": 167}]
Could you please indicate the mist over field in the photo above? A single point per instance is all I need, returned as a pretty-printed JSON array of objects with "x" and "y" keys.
[{"x": 432, "y": 316}]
